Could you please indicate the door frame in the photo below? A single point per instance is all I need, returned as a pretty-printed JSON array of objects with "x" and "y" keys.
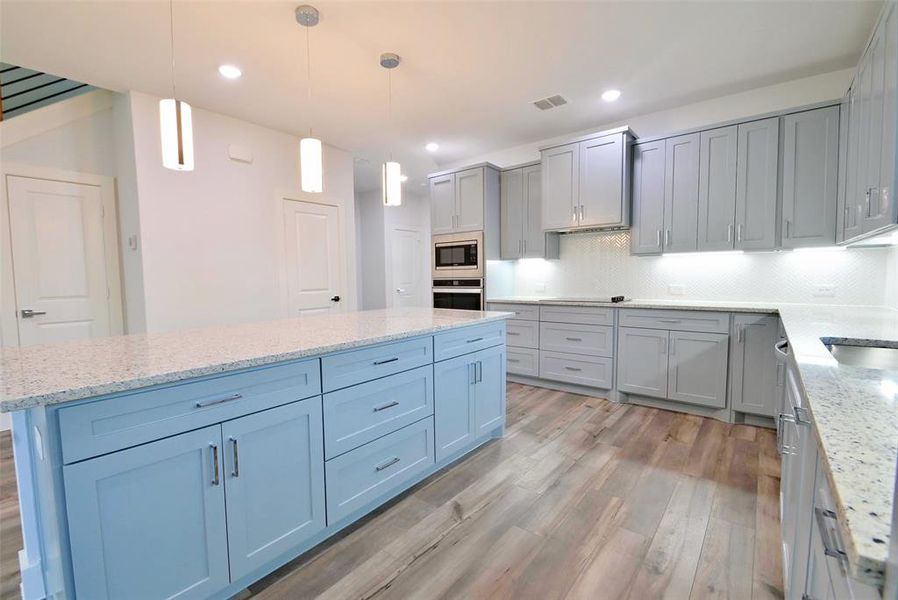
[
  {"x": 388, "y": 266},
  {"x": 281, "y": 251},
  {"x": 9, "y": 324}
]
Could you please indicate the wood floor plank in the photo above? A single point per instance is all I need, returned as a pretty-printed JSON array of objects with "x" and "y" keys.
[
  {"x": 725, "y": 565},
  {"x": 611, "y": 572}
]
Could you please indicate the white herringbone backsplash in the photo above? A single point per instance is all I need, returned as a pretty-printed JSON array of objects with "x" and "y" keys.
[{"x": 600, "y": 264}]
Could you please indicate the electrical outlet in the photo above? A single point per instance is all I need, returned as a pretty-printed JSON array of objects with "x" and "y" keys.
[
  {"x": 824, "y": 290},
  {"x": 676, "y": 289}
]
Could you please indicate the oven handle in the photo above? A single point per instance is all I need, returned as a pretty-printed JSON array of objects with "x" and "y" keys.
[{"x": 453, "y": 290}]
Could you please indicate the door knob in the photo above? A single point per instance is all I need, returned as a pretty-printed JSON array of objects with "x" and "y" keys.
[
  {"x": 27, "y": 313},
  {"x": 335, "y": 299},
  {"x": 400, "y": 291}
]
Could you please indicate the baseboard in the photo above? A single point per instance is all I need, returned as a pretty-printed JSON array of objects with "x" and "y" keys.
[
  {"x": 721, "y": 414},
  {"x": 560, "y": 386}
]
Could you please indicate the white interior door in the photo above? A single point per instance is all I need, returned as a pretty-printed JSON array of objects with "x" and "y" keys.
[
  {"x": 59, "y": 260},
  {"x": 314, "y": 257},
  {"x": 406, "y": 254}
]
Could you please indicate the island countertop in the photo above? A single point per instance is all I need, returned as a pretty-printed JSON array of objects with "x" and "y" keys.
[{"x": 55, "y": 373}]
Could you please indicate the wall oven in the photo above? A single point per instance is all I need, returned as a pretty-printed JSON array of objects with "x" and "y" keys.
[
  {"x": 464, "y": 294},
  {"x": 458, "y": 255}
]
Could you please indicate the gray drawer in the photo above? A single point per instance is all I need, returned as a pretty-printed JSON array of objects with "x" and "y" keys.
[
  {"x": 468, "y": 339},
  {"x": 522, "y": 334},
  {"x": 591, "y": 340},
  {"x": 586, "y": 315},
  {"x": 591, "y": 371},
  {"x": 522, "y": 361},
  {"x": 357, "y": 366},
  {"x": 676, "y": 320},
  {"x": 524, "y": 312}
]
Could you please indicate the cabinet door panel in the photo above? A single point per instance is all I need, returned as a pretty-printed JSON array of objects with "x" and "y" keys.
[
  {"x": 717, "y": 189},
  {"x": 489, "y": 391},
  {"x": 810, "y": 176},
  {"x": 753, "y": 365},
  {"x": 642, "y": 361},
  {"x": 535, "y": 242},
  {"x": 453, "y": 410},
  {"x": 883, "y": 211},
  {"x": 442, "y": 204},
  {"x": 648, "y": 197},
  {"x": 601, "y": 181},
  {"x": 851, "y": 215},
  {"x": 469, "y": 186},
  {"x": 757, "y": 165},
  {"x": 876, "y": 58},
  {"x": 561, "y": 182},
  {"x": 274, "y": 474},
  {"x": 511, "y": 214},
  {"x": 149, "y": 522},
  {"x": 697, "y": 372},
  {"x": 681, "y": 194}
]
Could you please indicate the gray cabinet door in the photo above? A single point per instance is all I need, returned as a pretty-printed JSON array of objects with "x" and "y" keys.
[
  {"x": 442, "y": 204},
  {"x": 697, "y": 369},
  {"x": 681, "y": 194},
  {"x": 756, "y": 184},
  {"x": 642, "y": 361},
  {"x": 875, "y": 57},
  {"x": 648, "y": 197},
  {"x": 753, "y": 365},
  {"x": 469, "y": 186},
  {"x": 810, "y": 176},
  {"x": 561, "y": 182},
  {"x": 511, "y": 214},
  {"x": 882, "y": 200},
  {"x": 717, "y": 189},
  {"x": 602, "y": 181},
  {"x": 851, "y": 215},
  {"x": 534, "y": 236}
]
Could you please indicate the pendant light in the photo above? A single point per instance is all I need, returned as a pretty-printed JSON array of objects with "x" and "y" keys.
[
  {"x": 392, "y": 182},
  {"x": 310, "y": 161},
  {"x": 175, "y": 122}
]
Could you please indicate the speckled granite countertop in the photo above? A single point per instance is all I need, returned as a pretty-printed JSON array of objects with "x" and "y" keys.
[
  {"x": 55, "y": 373},
  {"x": 720, "y": 306}
]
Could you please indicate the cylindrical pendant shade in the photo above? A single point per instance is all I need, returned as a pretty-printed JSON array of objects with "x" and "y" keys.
[
  {"x": 176, "y": 126},
  {"x": 310, "y": 168},
  {"x": 392, "y": 184}
]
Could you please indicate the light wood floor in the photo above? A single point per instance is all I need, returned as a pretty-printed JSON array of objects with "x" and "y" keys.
[{"x": 583, "y": 498}]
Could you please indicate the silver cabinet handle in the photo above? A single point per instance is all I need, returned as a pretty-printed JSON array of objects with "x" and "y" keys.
[
  {"x": 222, "y": 400},
  {"x": 574, "y": 215},
  {"x": 667, "y": 237},
  {"x": 479, "y": 370},
  {"x": 740, "y": 333},
  {"x": 867, "y": 202},
  {"x": 472, "y": 368},
  {"x": 574, "y": 339},
  {"x": 582, "y": 212},
  {"x": 387, "y": 464},
  {"x": 782, "y": 348},
  {"x": 739, "y": 233},
  {"x": 377, "y": 363},
  {"x": 386, "y": 406},
  {"x": 788, "y": 228},
  {"x": 27, "y": 313},
  {"x": 658, "y": 242},
  {"x": 216, "y": 480},
  {"x": 236, "y": 455},
  {"x": 480, "y": 339},
  {"x": 829, "y": 546},
  {"x": 780, "y": 438},
  {"x": 801, "y": 416},
  {"x": 572, "y": 368},
  {"x": 729, "y": 233}
]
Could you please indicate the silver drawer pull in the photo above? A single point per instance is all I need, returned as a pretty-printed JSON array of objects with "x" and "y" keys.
[
  {"x": 513, "y": 333},
  {"x": 573, "y": 339},
  {"x": 801, "y": 416},
  {"x": 480, "y": 339},
  {"x": 386, "y": 406},
  {"x": 383, "y": 362},
  {"x": 669, "y": 320},
  {"x": 782, "y": 348},
  {"x": 222, "y": 400},
  {"x": 387, "y": 464},
  {"x": 514, "y": 360},
  {"x": 829, "y": 547},
  {"x": 573, "y": 369},
  {"x": 216, "y": 480}
]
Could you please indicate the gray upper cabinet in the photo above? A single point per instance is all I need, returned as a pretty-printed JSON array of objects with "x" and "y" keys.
[
  {"x": 756, "y": 184},
  {"x": 442, "y": 204},
  {"x": 602, "y": 182},
  {"x": 461, "y": 201},
  {"x": 648, "y": 197},
  {"x": 537, "y": 243},
  {"x": 851, "y": 213},
  {"x": 810, "y": 177},
  {"x": 681, "y": 194},
  {"x": 717, "y": 189},
  {"x": 469, "y": 192},
  {"x": 521, "y": 233},
  {"x": 561, "y": 180},
  {"x": 885, "y": 212},
  {"x": 754, "y": 385}
]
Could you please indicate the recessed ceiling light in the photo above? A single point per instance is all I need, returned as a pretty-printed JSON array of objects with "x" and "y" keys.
[
  {"x": 432, "y": 147},
  {"x": 610, "y": 95},
  {"x": 403, "y": 178},
  {"x": 230, "y": 72}
]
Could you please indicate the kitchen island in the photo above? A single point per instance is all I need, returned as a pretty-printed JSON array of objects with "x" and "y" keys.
[{"x": 193, "y": 463}]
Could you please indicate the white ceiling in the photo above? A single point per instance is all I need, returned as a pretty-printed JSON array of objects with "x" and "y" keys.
[{"x": 469, "y": 71}]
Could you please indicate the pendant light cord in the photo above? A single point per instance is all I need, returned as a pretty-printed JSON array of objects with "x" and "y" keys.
[
  {"x": 390, "y": 104},
  {"x": 309, "y": 74},
  {"x": 171, "y": 37}
]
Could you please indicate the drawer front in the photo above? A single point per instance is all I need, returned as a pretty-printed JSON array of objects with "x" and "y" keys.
[
  {"x": 522, "y": 334},
  {"x": 676, "y": 320},
  {"x": 523, "y": 312},
  {"x": 357, "y": 366},
  {"x": 372, "y": 471},
  {"x": 130, "y": 419},
  {"x": 468, "y": 339},
  {"x": 356, "y": 415},
  {"x": 585, "y": 315},
  {"x": 522, "y": 361},
  {"x": 591, "y": 340},
  {"x": 591, "y": 371}
]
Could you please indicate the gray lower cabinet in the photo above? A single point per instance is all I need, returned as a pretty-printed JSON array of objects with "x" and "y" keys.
[
  {"x": 753, "y": 365},
  {"x": 810, "y": 176},
  {"x": 523, "y": 361},
  {"x": 757, "y": 185},
  {"x": 681, "y": 194},
  {"x": 648, "y": 197},
  {"x": 697, "y": 368},
  {"x": 590, "y": 371},
  {"x": 717, "y": 189},
  {"x": 642, "y": 361}
]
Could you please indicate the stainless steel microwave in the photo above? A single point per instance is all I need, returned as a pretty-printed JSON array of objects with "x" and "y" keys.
[{"x": 458, "y": 255}]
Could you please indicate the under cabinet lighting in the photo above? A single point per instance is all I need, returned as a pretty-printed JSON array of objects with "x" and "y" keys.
[{"x": 820, "y": 249}]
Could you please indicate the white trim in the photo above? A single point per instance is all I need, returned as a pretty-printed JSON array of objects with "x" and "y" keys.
[
  {"x": 32, "y": 586},
  {"x": 52, "y": 116},
  {"x": 9, "y": 327}
]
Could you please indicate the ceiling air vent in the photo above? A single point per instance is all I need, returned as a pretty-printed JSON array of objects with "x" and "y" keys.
[{"x": 550, "y": 102}]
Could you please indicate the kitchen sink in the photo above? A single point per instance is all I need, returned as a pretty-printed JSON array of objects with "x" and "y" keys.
[{"x": 870, "y": 357}]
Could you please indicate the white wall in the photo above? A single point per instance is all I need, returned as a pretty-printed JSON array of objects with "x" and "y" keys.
[
  {"x": 414, "y": 214},
  {"x": 891, "y": 279},
  {"x": 209, "y": 238}
]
